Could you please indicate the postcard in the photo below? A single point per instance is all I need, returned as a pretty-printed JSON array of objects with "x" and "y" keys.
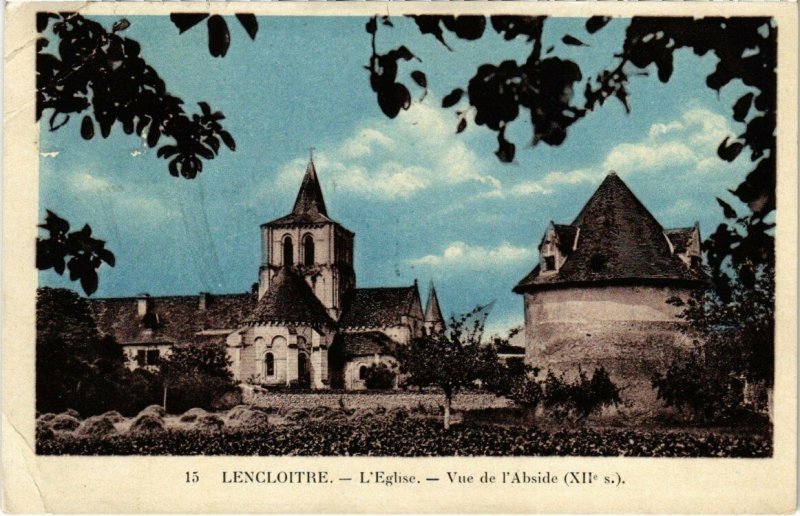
[{"x": 399, "y": 257}]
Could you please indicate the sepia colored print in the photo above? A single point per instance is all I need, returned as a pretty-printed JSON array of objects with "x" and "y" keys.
[{"x": 537, "y": 233}]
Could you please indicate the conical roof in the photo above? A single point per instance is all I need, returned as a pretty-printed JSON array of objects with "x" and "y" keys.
[
  {"x": 617, "y": 239},
  {"x": 309, "y": 206},
  {"x": 289, "y": 300},
  {"x": 432, "y": 311}
]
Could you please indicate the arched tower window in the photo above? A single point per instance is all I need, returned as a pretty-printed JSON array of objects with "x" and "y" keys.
[
  {"x": 269, "y": 364},
  {"x": 288, "y": 251},
  {"x": 362, "y": 372},
  {"x": 308, "y": 250}
]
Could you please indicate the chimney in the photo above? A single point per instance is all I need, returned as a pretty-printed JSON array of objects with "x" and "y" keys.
[
  {"x": 204, "y": 298},
  {"x": 142, "y": 304}
]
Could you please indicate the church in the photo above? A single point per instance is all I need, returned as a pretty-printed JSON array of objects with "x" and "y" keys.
[
  {"x": 599, "y": 294},
  {"x": 304, "y": 324}
]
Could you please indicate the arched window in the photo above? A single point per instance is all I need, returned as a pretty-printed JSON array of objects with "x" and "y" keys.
[
  {"x": 362, "y": 372},
  {"x": 269, "y": 364},
  {"x": 288, "y": 251},
  {"x": 308, "y": 250}
]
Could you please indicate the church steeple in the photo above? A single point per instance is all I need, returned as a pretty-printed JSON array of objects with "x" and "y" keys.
[
  {"x": 434, "y": 322},
  {"x": 309, "y": 199}
]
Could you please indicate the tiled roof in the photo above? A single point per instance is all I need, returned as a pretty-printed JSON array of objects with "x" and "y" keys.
[
  {"x": 618, "y": 239},
  {"x": 432, "y": 311},
  {"x": 566, "y": 237},
  {"x": 680, "y": 238},
  {"x": 309, "y": 207},
  {"x": 175, "y": 319},
  {"x": 289, "y": 300},
  {"x": 366, "y": 343},
  {"x": 378, "y": 307}
]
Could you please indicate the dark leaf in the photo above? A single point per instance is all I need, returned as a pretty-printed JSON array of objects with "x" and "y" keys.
[
  {"x": 185, "y": 21},
  {"x": 596, "y": 23},
  {"x": 120, "y": 26},
  {"x": 462, "y": 124},
  {"x": 727, "y": 211},
  {"x": 452, "y": 98},
  {"x": 419, "y": 78},
  {"x": 393, "y": 98},
  {"x": 729, "y": 152},
  {"x": 219, "y": 39},
  {"x": 228, "y": 139},
  {"x": 742, "y": 107},
  {"x": 87, "y": 128},
  {"x": 89, "y": 281},
  {"x": 107, "y": 256},
  {"x": 372, "y": 25},
  {"x": 249, "y": 22},
  {"x": 571, "y": 40},
  {"x": 385, "y": 20},
  {"x": 506, "y": 149},
  {"x": 42, "y": 19}
]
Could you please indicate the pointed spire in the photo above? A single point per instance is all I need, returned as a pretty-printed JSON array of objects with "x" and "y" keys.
[
  {"x": 309, "y": 198},
  {"x": 433, "y": 313}
]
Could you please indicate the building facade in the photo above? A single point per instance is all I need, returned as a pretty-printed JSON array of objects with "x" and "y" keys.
[
  {"x": 599, "y": 294},
  {"x": 305, "y": 323}
]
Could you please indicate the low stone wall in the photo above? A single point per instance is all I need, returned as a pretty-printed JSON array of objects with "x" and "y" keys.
[{"x": 430, "y": 401}]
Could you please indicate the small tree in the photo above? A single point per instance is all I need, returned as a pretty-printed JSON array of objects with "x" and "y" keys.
[
  {"x": 379, "y": 376},
  {"x": 196, "y": 374},
  {"x": 451, "y": 360}
]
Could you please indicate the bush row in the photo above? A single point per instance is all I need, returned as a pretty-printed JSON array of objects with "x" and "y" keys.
[{"x": 412, "y": 438}]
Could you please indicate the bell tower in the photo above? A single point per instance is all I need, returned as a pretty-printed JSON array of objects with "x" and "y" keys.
[{"x": 310, "y": 244}]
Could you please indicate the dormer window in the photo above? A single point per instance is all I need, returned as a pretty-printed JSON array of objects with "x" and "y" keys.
[{"x": 549, "y": 263}]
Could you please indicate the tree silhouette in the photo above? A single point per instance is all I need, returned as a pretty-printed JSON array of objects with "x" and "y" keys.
[
  {"x": 543, "y": 89},
  {"x": 102, "y": 75}
]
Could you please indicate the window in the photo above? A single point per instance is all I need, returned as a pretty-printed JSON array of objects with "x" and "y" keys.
[
  {"x": 269, "y": 364},
  {"x": 549, "y": 263},
  {"x": 288, "y": 251},
  {"x": 308, "y": 250},
  {"x": 153, "y": 357},
  {"x": 146, "y": 357},
  {"x": 362, "y": 372}
]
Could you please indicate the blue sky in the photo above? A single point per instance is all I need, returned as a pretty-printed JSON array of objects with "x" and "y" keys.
[{"x": 424, "y": 202}]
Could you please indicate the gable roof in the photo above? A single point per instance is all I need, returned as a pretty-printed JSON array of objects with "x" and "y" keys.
[
  {"x": 680, "y": 238},
  {"x": 366, "y": 343},
  {"x": 566, "y": 237},
  {"x": 617, "y": 239},
  {"x": 379, "y": 307},
  {"x": 309, "y": 206},
  {"x": 289, "y": 300},
  {"x": 170, "y": 319}
]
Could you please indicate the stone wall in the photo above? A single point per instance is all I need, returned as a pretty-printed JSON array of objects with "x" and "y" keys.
[
  {"x": 409, "y": 400},
  {"x": 630, "y": 331}
]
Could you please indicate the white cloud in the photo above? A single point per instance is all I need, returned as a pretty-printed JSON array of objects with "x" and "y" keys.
[
  {"x": 689, "y": 143},
  {"x": 466, "y": 256},
  {"x": 49, "y": 154},
  {"x": 394, "y": 159},
  {"x": 85, "y": 182}
]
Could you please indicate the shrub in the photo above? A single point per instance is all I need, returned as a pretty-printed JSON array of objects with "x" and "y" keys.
[
  {"x": 156, "y": 410},
  {"x": 297, "y": 414},
  {"x": 319, "y": 412},
  {"x": 209, "y": 423},
  {"x": 46, "y": 417},
  {"x": 72, "y": 412},
  {"x": 228, "y": 399},
  {"x": 114, "y": 416},
  {"x": 64, "y": 422},
  {"x": 379, "y": 376},
  {"x": 43, "y": 431},
  {"x": 147, "y": 423},
  {"x": 252, "y": 419},
  {"x": 192, "y": 415},
  {"x": 238, "y": 412},
  {"x": 97, "y": 426}
]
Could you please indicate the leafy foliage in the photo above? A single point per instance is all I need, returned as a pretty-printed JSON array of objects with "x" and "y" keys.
[
  {"x": 448, "y": 360},
  {"x": 219, "y": 38},
  {"x": 734, "y": 343},
  {"x": 543, "y": 87},
  {"x": 86, "y": 254},
  {"x": 414, "y": 438},
  {"x": 75, "y": 367},
  {"x": 102, "y": 74},
  {"x": 379, "y": 376},
  {"x": 196, "y": 375}
]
